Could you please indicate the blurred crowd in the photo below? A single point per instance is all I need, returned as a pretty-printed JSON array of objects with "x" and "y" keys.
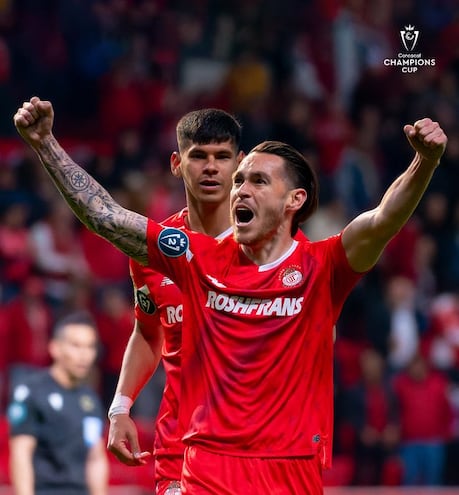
[{"x": 120, "y": 73}]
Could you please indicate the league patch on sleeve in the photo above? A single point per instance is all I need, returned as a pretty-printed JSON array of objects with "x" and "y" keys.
[
  {"x": 173, "y": 242},
  {"x": 17, "y": 413},
  {"x": 143, "y": 299}
]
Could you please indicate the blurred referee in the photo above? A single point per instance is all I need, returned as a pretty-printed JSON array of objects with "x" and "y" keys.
[{"x": 56, "y": 422}]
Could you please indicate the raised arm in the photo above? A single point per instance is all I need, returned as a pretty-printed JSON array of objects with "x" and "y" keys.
[
  {"x": 367, "y": 235},
  {"x": 90, "y": 202}
]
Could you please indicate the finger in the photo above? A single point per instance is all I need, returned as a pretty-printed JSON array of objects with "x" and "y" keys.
[
  {"x": 23, "y": 118},
  {"x": 421, "y": 123},
  {"x": 32, "y": 109},
  {"x": 123, "y": 454},
  {"x": 409, "y": 130},
  {"x": 142, "y": 457},
  {"x": 435, "y": 138},
  {"x": 133, "y": 440},
  {"x": 43, "y": 107}
]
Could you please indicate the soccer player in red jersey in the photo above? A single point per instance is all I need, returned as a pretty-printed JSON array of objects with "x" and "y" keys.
[
  {"x": 208, "y": 154},
  {"x": 259, "y": 307}
]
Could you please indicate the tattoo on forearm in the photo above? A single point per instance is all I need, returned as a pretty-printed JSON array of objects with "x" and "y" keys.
[{"x": 93, "y": 205}]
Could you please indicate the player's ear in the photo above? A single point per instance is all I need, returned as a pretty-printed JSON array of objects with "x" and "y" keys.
[
  {"x": 175, "y": 162},
  {"x": 53, "y": 349},
  {"x": 240, "y": 156},
  {"x": 296, "y": 199}
]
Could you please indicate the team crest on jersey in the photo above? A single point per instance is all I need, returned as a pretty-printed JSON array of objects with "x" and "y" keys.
[
  {"x": 144, "y": 301},
  {"x": 173, "y": 242},
  {"x": 87, "y": 403},
  {"x": 173, "y": 488},
  {"x": 291, "y": 276}
]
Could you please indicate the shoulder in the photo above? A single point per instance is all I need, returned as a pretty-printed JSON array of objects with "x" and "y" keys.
[
  {"x": 176, "y": 220},
  {"x": 31, "y": 384},
  {"x": 139, "y": 273},
  {"x": 27, "y": 398},
  {"x": 325, "y": 247}
]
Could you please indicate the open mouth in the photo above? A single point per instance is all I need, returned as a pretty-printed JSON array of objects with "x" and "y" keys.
[
  {"x": 209, "y": 183},
  {"x": 243, "y": 215}
]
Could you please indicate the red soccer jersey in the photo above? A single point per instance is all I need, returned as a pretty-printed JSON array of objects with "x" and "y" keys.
[
  {"x": 257, "y": 342},
  {"x": 158, "y": 302}
]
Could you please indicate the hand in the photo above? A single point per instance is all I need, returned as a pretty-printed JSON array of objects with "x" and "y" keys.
[
  {"x": 427, "y": 138},
  {"x": 123, "y": 441},
  {"x": 34, "y": 121}
]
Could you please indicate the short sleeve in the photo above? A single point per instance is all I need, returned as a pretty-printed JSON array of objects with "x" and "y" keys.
[{"x": 22, "y": 412}]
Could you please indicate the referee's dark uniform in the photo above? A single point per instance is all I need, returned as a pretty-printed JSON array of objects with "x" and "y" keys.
[{"x": 66, "y": 424}]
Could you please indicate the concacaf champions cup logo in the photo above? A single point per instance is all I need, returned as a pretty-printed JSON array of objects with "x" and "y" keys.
[
  {"x": 409, "y": 37},
  {"x": 408, "y": 60}
]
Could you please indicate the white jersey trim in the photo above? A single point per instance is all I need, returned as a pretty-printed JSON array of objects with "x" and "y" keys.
[
  {"x": 273, "y": 264},
  {"x": 225, "y": 233}
]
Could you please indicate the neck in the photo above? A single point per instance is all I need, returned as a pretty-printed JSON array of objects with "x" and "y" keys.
[
  {"x": 268, "y": 249},
  {"x": 209, "y": 218},
  {"x": 63, "y": 378}
]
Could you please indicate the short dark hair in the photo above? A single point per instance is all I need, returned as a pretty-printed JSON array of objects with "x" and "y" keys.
[
  {"x": 300, "y": 173},
  {"x": 208, "y": 125},
  {"x": 75, "y": 318}
]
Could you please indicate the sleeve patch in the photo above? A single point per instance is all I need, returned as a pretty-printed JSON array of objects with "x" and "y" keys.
[
  {"x": 144, "y": 301},
  {"x": 173, "y": 242},
  {"x": 17, "y": 413}
]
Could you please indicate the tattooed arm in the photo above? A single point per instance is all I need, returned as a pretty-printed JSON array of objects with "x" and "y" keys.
[{"x": 90, "y": 202}]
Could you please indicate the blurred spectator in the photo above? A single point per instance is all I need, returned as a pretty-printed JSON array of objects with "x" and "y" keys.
[
  {"x": 4, "y": 361},
  {"x": 295, "y": 124},
  {"x": 436, "y": 223},
  {"x": 16, "y": 258},
  {"x": 452, "y": 451},
  {"x": 399, "y": 257},
  {"x": 9, "y": 188},
  {"x": 121, "y": 102},
  {"x": 425, "y": 419},
  {"x": 57, "y": 249},
  {"x": 28, "y": 321},
  {"x": 115, "y": 322},
  {"x": 162, "y": 195},
  {"x": 371, "y": 411},
  {"x": 305, "y": 77},
  {"x": 107, "y": 265},
  {"x": 332, "y": 132},
  {"x": 248, "y": 79},
  {"x": 451, "y": 277},
  {"x": 357, "y": 181},
  {"x": 442, "y": 340},
  {"x": 406, "y": 322},
  {"x": 329, "y": 219}
]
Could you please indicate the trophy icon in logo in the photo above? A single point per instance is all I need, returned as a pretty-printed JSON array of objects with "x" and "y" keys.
[{"x": 409, "y": 37}]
